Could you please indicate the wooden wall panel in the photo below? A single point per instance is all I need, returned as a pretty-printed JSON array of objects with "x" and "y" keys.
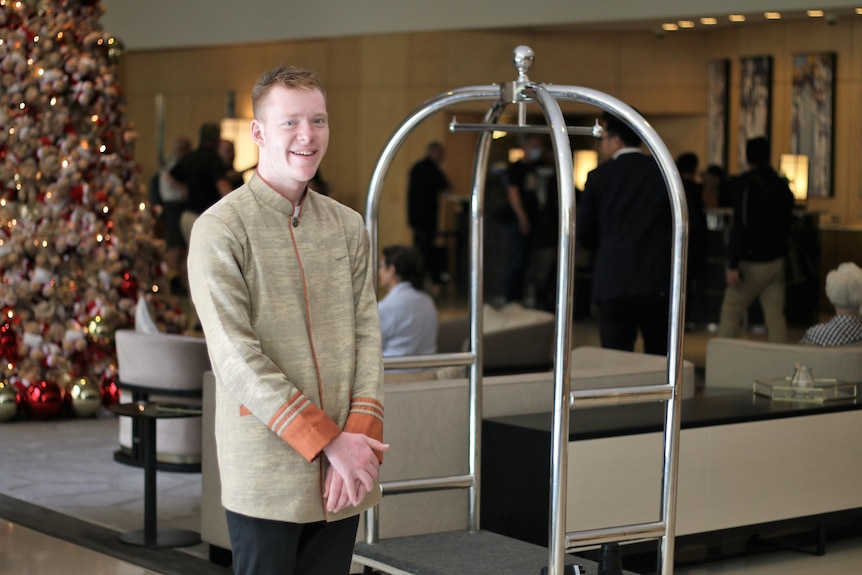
[
  {"x": 373, "y": 82},
  {"x": 480, "y": 58},
  {"x": 385, "y": 61},
  {"x": 588, "y": 59},
  {"x": 674, "y": 62},
  {"x": 344, "y": 63},
  {"x": 426, "y": 58},
  {"x": 682, "y": 134}
]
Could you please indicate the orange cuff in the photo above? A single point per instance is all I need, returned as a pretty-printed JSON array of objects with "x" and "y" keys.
[
  {"x": 309, "y": 432},
  {"x": 366, "y": 417}
]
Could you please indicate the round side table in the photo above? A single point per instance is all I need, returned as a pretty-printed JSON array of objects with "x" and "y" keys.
[{"x": 147, "y": 413}]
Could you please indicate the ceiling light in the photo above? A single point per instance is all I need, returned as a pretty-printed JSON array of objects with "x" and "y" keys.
[
  {"x": 772, "y": 15},
  {"x": 669, "y": 27},
  {"x": 686, "y": 24},
  {"x": 815, "y": 13},
  {"x": 736, "y": 18},
  {"x": 708, "y": 21}
]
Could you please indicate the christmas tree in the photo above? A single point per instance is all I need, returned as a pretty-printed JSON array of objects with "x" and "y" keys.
[{"x": 77, "y": 241}]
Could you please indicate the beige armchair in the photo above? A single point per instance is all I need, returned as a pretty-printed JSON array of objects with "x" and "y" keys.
[
  {"x": 169, "y": 368},
  {"x": 738, "y": 362}
]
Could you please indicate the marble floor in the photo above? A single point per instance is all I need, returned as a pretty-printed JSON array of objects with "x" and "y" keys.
[
  {"x": 64, "y": 500},
  {"x": 24, "y": 550},
  {"x": 842, "y": 557}
]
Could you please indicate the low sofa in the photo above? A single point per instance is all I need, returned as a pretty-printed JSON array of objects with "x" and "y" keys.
[
  {"x": 738, "y": 362},
  {"x": 515, "y": 339},
  {"x": 427, "y": 428}
]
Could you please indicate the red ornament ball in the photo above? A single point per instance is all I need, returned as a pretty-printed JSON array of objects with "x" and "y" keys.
[
  {"x": 129, "y": 285},
  {"x": 8, "y": 342},
  {"x": 110, "y": 393},
  {"x": 44, "y": 399},
  {"x": 22, "y": 392}
]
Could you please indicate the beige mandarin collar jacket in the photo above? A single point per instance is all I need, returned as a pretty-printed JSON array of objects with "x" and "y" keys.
[{"x": 289, "y": 313}]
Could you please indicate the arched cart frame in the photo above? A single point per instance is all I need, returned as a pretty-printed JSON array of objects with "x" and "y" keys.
[{"x": 523, "y": 92}]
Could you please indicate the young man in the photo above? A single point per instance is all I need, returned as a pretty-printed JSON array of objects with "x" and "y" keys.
[
  {"x": 762, "y": 218},
  {"x": 408, "y": 316},
  {"x": 282, "y": 282}
]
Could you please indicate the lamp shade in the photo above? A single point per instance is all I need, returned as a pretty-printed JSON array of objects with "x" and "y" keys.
[
  {"x": 794, "y": 167},
  {"x": 238, "y": 131},
  {"x": 583, "y": 162}
]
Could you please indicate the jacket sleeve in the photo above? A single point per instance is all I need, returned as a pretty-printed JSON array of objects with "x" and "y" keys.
[{"x": 366, "y": 408}]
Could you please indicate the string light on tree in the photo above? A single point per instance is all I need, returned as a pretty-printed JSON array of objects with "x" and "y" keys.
[{"x": 78, "y": 238}]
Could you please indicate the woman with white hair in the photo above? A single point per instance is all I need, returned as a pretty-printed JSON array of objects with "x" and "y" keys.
[{"x": 844, "y": 290}]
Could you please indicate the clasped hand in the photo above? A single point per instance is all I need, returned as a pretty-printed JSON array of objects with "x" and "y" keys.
[{"x": 352, "y": 469}]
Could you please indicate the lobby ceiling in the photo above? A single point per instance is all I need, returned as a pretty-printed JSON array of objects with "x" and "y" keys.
[{"x": 169, "y": 24}]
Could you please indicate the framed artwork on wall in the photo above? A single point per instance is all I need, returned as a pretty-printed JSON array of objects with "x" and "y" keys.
[
  {"x": 755, "y": 102},
  {"x": 717, "y": 76},
  {"x": 812, "y": 102}
]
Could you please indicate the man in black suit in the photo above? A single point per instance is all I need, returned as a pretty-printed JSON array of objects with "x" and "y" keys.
[{"x": 624, "y": 219}]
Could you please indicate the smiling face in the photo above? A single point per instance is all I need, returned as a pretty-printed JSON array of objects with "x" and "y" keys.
[{"x": 292, "y": 133}]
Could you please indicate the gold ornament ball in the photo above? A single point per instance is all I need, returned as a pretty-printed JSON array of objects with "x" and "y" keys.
[
  {"x": 8, "y": 401},
  {"x": 85, "y": 398}
]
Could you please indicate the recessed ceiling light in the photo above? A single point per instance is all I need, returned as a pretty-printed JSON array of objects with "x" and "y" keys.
[
  {"x": 686, "y": 24},
  {"x": 669, "y": 27},
  {"x": 772, "y": 15},
  {"x": 736, "y": 18},
  {"x": 708, "y": 21},
  {"x": 815, "y": 13}
]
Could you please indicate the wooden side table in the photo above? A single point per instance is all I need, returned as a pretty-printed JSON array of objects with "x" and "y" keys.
[{"x": 146, "y": 413}]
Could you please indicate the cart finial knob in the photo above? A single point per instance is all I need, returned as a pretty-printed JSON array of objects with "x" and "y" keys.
[{"x": 522, "y": 57}]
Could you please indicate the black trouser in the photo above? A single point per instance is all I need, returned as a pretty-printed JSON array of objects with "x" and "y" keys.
[
  {"x": 517, "y": 261},
  {"x": 423, "y": 239},
  {"x": 266, "y": 547},
  {"x": 620, "y": 319}
]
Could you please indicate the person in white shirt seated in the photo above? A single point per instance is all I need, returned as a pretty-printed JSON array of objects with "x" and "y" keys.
[{"x": 408, "y": 316}]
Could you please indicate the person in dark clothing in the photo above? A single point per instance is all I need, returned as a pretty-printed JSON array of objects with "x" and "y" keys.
[
  {"x": 687, "y": 165},
  {"x": 624, "y": 219},
  {"x": 227, "y": 153},
  {"x": 762, "y": 217},
  {"x": 204, "y": 174},
  {"x": 425, "y": 185},
  {"x": 542, "y": 270},
  {"x": 173, "y": 197},
  {"x": 523, "y": 194},
  {"x": 715, "y": 192}
]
